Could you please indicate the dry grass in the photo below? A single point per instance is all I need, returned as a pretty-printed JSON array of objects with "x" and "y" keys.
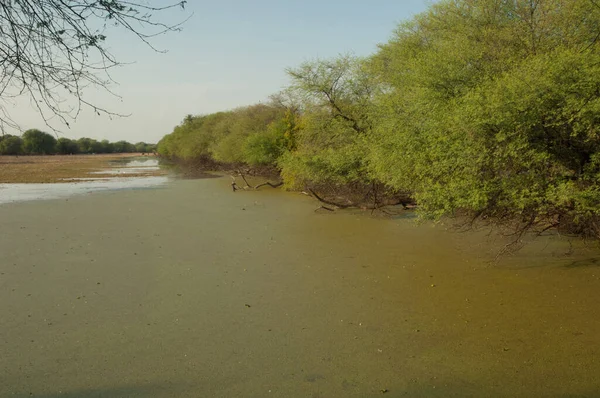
[{"x": 49, "y": 169}]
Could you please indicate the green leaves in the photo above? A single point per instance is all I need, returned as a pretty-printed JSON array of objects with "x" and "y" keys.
[
  {"x": 484, "y": 107},
  {"x": 505, "y": 128},
  {"x": 36, "y": 142}
]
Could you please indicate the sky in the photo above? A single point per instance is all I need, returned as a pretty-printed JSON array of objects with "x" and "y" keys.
[{"x": 229, "y": 53}]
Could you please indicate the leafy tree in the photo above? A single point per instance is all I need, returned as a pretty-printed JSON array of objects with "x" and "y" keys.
[
  {"x": 488, "y": 108},
  {"x": 123, "y": 147},
  {"x": 491, "y": 108},
  {"x": 194, "y": 137},
  {"x": 336, "y": 123},
  {"x": 85, "y": 145},
  {"x": 266, "y": 148},
  {"x": 106, "y": 147},
  {"x": 66, "y": 146},
  {"x": 220, "y": 136},
  {"x": 36, "y": 142},
  {"x": 96, "y": 146},
  {"x": 242, "y": 123},
  {"x": 143, "y": 147},
  {"x": 11, "y": 145}
]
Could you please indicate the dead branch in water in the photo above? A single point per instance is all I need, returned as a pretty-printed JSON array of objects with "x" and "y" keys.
[
  {"x": 269, "y": 184},
  {"x": 248, "y": 186},
  {"x": 234, "y": 186},
  {"x": 378, "y": 204},
  {"x": 246, "y": 181},
  {"x": 324, "y": 208},
  {"x": 328, "y": 202}
]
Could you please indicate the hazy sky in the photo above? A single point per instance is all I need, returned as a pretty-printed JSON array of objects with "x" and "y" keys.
[{"x": 230, "y": 53}]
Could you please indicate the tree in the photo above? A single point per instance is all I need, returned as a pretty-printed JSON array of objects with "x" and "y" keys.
[
  {"x": 123, "y": 147},
  {"x": 66, "y": 146},
  {"x": 491, "y": 108},
  {"x": 36, "y": 142},
  {"x": 52, "y": 50},
  {"x": 85, "y": 145},
  {"x": 106, "y": 146},
  {"x": 242, "y": 123},
  {"x": 11, "y": 145},
  {"x": 143, "y": 147},
  {"x": 336, "y": 96}
]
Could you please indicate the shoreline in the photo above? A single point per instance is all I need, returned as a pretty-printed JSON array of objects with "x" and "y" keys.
[{"x": 64, "y": 168}]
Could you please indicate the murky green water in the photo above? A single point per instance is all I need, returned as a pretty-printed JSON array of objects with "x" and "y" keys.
[{"x": 194, "y": 291}]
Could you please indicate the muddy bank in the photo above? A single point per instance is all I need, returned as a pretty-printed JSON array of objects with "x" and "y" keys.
[
  {"x": 196, "y": 291},
  {"x": 63, "y": 168}
]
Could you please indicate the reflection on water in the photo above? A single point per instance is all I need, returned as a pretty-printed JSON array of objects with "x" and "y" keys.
[
  {"x": 127, "y": 170},
  {"x": 129, "y": 166},
  {"x": 135, "y": 162},
  {"x": 10, "y": 193}
]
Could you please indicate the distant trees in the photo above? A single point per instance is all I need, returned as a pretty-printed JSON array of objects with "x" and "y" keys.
[
  {"x": 36, "y": 142},
  {"x": 123, "y": 147},
  {"x": 143, "y": 147},
  {"x": 66, "y": 146},
  {"x": 255, "y": 135},
  {"x": 106, "y": 147}
]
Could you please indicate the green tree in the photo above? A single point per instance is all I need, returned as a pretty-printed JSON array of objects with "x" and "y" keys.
[
  {"x": 123, "y": 147},
  {"x": 36, "y": 142},
  {"x": 490, "y": 108},
  {"x": 233, "y": 132},
  {"x": 266, "y": 148},
  {"x": 11, "y": 145},
  {"x": 66, "y": 146},
  {"x": 105, "y": 147},
  {"x": 143, "y": 147},
  {"x": 335, "y": 97},
  {"x": 86, "y": 145}
]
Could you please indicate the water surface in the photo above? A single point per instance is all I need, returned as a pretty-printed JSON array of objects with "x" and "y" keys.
[
  {"x": 195, "y": 291},
  {"x": 11, "y": 193}
]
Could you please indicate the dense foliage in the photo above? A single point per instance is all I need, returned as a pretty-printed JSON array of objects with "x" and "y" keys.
[
  {"x": 490, "y": 108},
  {"x": 36, "y": 142}
]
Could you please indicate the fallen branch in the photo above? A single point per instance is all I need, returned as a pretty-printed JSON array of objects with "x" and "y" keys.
[
  {"x": 269, "y": 184},
  {"x": 328, "y": 202},
  {"x": 376, "y": 205},
  {"x": 246, "y": 181},
  {"x": 248, "y": 186}
]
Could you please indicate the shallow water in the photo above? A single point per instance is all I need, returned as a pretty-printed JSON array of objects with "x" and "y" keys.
[
  {"x": 195, "y": 291},
  {"x": 129, "y": 166},
  {"x": 11, "y": 193}
]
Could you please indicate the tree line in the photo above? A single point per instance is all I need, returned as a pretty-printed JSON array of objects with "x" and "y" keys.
[
  {"x": 488, "y": 109},
  {"x": 36, "y": 142}
]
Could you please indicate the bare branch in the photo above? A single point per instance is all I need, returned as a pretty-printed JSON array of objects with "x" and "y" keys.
[{"x": 53, "y": 50}]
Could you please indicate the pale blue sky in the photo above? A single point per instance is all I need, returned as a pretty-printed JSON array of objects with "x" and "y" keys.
[{"x": 230, "y": 53}]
